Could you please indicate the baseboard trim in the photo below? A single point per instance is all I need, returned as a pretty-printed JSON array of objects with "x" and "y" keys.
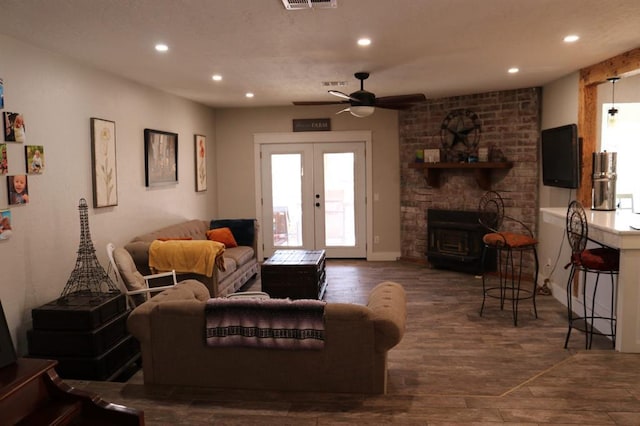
[{"x": 383, "y": 256}]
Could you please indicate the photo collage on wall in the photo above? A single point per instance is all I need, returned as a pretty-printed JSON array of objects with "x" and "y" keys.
[{"x": 14, "y": 132}]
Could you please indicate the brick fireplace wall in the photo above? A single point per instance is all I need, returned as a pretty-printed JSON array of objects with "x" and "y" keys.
[{"x": 510, "y": 121}]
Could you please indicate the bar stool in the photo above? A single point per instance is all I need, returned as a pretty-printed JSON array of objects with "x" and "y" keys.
[
  {"x": 600, "y": 260},
  {"x": 508, "y": 246}
]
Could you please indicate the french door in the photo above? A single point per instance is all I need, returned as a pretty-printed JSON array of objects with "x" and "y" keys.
[{"x": 314, "y": 195}]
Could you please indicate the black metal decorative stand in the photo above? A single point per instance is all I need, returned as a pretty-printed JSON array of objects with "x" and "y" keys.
[{"x": 88, "y": 277}]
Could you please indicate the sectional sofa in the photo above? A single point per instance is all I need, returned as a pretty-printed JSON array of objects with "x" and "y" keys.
[{"x": 240, "y": 263}]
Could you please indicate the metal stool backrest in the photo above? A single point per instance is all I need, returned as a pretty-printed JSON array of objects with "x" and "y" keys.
[
  {"x": 491, "y": 208},
  {"x": 577, "y": 227}
]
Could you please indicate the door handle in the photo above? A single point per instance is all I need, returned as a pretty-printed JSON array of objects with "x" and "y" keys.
[{"x": 317, "y": 204}]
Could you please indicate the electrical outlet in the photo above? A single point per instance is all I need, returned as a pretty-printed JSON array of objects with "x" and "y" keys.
[{"x": 376, "y": 239}]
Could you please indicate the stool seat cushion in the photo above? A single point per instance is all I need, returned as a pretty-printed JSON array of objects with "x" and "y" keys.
[
  {"x": 600, "y": 259},
  {"x": 508, "y": 239}
]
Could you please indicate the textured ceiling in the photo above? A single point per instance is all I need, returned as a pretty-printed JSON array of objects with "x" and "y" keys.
[{"x": 436, "y": 47}]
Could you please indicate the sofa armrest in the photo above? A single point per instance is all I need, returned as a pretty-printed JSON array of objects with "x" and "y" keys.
[
  {"x": 388, "y": 304},
  {"x": 139, "y": 321}
]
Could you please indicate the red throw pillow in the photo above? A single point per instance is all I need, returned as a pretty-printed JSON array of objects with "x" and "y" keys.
[{"x": 222, "y": 235}]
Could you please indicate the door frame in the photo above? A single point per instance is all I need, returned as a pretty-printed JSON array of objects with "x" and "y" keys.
[{"x": 316, "y": 137}]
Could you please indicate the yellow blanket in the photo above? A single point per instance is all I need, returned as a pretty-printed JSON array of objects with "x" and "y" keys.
[{"x": 197, "y": 256}]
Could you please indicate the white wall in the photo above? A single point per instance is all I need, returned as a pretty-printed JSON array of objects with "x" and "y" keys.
[
  {"x": 57, "y": 98},
  {"x": 234, "y": 139}
]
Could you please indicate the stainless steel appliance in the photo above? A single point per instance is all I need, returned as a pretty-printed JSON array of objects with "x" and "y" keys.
[{"x": 604, "y": 180}]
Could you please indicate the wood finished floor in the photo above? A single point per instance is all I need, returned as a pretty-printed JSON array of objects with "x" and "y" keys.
[{"x": 452, "y": 367}]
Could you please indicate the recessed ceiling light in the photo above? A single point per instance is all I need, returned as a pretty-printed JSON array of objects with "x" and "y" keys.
[
  {"x": 571, "y": 38},
  {"x": 249, "y": 95},
  {"x": 513, "y": 70},
  {"x": 216, "y": 77},
  {"x": 364, "y": 41},
  {"x": 161, "y": 47}
]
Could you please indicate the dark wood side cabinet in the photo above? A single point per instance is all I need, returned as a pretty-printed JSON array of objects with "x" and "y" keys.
[
  {"x": 296, "y": 274},
  {"x": 32, "y": 393},
  {"x": 87, "y": 335}
]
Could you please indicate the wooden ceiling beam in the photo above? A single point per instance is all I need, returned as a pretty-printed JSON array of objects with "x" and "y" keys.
[{"x": 623, "y": 65}]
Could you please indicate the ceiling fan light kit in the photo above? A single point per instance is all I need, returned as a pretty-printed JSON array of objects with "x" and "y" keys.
[{"x": 361, "y": 111}]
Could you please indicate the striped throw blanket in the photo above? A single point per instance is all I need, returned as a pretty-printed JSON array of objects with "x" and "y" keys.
[{"x": 265, "y": 323}]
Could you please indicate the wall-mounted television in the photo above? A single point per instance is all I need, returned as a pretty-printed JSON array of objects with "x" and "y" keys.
[{"x": 561, "y": 156}]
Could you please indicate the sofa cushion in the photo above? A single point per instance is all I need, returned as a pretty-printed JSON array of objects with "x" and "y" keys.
[
  {"x": 243, "y": 229},
  {"x": 196, "y": 229},
  {"x": 222, "y": 235},
  {"x": 230, "y": 267},
  {"x": 139, "y": 251},
  {"x": 240, "y": 254},
  {"x": 175, "y": 239}
]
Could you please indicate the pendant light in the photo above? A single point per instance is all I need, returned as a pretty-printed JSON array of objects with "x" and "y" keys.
[{"x": 613, "y": 111}]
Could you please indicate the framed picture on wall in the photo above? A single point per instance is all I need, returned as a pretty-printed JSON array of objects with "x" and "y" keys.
[
  {"x": 4, "y": 161},
  {"x": 34, "y": 159},
  {"x": 18, "y": 189},
  {"x": 160, "y": 157},
  {"x": 6, "y": 230},
  {"x": 103, "y": 162},
  {"x": 201, "y": 162},
  {"x": 14, "y": 128}
]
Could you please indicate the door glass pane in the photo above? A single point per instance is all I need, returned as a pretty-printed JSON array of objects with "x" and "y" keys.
[
  {"x": 339, "y": 206},
  {"x": 286, "y": 181}
]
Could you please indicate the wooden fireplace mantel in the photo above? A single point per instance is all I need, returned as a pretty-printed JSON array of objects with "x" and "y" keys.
[{"x": 482, "y": 171}]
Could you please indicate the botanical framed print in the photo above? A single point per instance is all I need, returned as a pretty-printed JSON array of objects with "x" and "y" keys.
[
  {"x": 201, "y": 162},
  {"x": 160, "y": 157},
  {"x": 34, "y": 158},
  {"x": 14, "y": 128},
  {"x": 18, "y": 189},
  {"x": 103, "y": 163}
]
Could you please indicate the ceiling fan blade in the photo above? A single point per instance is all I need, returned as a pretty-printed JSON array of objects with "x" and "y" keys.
[
  {"x": 400, "y": 101},
  {"x": 347, "y": 109},
  {"x": 307, "y": 103},
  {"x": 343, "y": 95}
]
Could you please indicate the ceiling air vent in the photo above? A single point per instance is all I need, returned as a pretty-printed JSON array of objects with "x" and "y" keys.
[{"x": 309, "y": 4}]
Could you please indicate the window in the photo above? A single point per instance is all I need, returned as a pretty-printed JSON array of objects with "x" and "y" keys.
[{"x": 623, "y": 137}]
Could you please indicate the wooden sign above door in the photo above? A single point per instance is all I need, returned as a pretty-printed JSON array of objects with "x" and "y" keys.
[{"x": 311, "y": 124}]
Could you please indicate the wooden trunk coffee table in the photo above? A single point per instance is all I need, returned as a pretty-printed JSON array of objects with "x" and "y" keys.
[{"x": 296, "y": 274}]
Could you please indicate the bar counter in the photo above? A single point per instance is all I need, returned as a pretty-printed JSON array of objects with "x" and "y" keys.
[{"x": 614, "y": 229}]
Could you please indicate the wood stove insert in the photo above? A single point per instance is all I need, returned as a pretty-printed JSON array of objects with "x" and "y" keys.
[{"x": 455, "y": 241}]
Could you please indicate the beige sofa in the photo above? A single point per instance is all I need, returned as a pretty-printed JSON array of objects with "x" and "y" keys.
[
  {"x": 240, "y": 262},
  {"x": 171, "y": 331}
]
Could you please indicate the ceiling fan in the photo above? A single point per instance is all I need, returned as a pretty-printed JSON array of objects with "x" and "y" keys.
[{"x": 362, "y": 103}]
